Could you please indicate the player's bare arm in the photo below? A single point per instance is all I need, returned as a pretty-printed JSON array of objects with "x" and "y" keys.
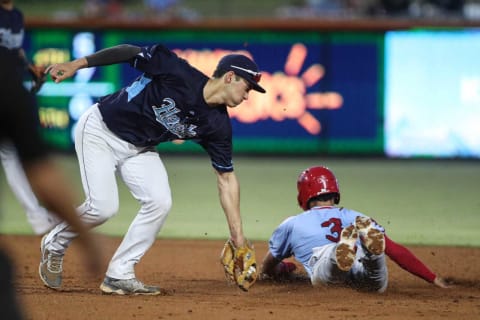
[
  {"x": 62, "y": 71},
  {"x": 108, "y": 56},
  {"x": 47, "y": 183},
  {"x": 268, "y": 265},
  {"x": 229, "y": 193},
  {"x": 275, "y": 269}
]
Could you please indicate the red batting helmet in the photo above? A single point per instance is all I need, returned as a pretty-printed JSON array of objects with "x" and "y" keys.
[{"x": 315, "y": 181}]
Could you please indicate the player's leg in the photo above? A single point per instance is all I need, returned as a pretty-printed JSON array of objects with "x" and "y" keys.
[
  {"x": 147, "y": 179},
  {"x": 370, "y": 269},
  {"x": 331, "y": 263},
  {"x": 94, "y": 145},
  {"x": 39, "y": 218},
  {"x": 369, "y": 272},
  {"x": 322, "y": 264},
  {"x": 9, "y": 304}
]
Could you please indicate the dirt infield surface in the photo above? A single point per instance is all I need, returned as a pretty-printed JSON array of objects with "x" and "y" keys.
[{"x": 196, "y": 289}]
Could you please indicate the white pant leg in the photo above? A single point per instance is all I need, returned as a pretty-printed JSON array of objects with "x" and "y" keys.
[
  {"x": 39, "y": 218},
  {"x": 98, "y": 153},
  {"x": 324, "y": 267},
  {"x": 369, "y": 272},
  {"x": 147, "y": 179}
]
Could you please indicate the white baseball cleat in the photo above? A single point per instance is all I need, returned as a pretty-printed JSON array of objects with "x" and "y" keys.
[
  {"x": 50, "y": 268},
  {"x": 372, "y": 239},
  {"x": 346, "y": 249},
  {"x": 128, "y": 287}
]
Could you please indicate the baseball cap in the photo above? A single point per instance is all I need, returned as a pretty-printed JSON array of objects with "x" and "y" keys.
[{"x": 243, "y": 67}]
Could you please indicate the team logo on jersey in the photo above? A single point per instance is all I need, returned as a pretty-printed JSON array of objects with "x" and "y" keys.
[{"x": 167, "y": 116}]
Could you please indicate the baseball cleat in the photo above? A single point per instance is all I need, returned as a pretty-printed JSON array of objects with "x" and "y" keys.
[
  {"x": 372, "y": 239},
  {"x": 128, "y": 287},
  {"x": 346, "y": 249},
  {"x": 50, "y": 268}
]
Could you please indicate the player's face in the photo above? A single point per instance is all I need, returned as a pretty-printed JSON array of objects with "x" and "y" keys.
[{"x": 238, "y": 90}]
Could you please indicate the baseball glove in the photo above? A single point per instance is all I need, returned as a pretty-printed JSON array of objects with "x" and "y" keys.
[
  {"x": 38, "y": 77},
  {"x": 239, "y": 264}
]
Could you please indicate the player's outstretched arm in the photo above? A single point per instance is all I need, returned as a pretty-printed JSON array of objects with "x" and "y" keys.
[
  {"x": 62, "y": 71},
  {"x": 108, "y": 56},
  {"x": 238, "y": 255},
  {"x": 229, "y": 193},
  {"x": 408, "y": 261}
]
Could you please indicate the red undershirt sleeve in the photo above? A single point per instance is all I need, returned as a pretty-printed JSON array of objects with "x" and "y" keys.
[{"x": 407, "y": 260}]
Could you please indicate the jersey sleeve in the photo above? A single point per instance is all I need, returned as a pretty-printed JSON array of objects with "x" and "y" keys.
[
  {"x": 220, "y": 155},
  {"x": 218, "y": 144},
  {"x": 279, "y": 243},
  {"x": 157, "y": 60},
  {"x": 407, "y": 260}
]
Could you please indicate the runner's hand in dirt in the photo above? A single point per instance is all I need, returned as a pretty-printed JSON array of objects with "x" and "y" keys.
[{"x": 442, "y": 283}]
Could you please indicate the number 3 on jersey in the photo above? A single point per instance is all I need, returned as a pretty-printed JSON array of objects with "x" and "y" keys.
[{"x": 335, "y": 226}]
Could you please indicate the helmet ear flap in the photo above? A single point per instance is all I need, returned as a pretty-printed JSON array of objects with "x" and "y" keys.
[{"x": 337, "y": 198}]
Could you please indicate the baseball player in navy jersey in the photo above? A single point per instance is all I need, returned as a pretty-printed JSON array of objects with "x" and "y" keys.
[
  {"x": 11, "y": 37},
  {"x": 336, "y": 245},
  {"x": 170, "y": 100}
]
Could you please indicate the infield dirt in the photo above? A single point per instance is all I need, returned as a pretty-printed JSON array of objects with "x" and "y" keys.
[{"x": 195, "y": 287}]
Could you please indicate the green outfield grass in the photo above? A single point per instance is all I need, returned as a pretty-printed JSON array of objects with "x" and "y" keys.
[{"x": 417, "y": 201}]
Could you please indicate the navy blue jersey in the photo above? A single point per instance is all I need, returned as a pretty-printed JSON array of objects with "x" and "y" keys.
[
  {"x": 11, "y": 28},
  {"x": 12, "y": 32},
  {"x": 18, "y": 117},
  {"x": 166, "y": 103}
]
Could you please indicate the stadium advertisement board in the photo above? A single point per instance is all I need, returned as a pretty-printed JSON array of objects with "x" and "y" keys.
[{"x": 324, "y": 90}]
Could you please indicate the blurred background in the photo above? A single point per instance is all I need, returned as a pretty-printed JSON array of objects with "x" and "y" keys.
[
  {"x": 395, "y": 78},
  {"x": 272, "y": 9},
  {"x": 387, "y": 93}
]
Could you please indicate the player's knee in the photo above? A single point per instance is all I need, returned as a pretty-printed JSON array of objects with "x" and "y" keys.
[
  {"x": 159, "y": 205},
  {"x": 100, "y": 210}
]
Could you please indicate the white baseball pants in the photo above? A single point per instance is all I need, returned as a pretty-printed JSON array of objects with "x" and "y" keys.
[
  {"x": 369, "y": 272},
  {"x": 101, "y": 154},
  {"x": 39, "y": 218}
]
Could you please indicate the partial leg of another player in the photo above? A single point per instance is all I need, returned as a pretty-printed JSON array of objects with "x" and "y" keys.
[{"x": 39, "y": 218}]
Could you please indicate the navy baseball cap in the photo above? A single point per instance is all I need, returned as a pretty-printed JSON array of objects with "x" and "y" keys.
[{"x": 243, "y": 67}]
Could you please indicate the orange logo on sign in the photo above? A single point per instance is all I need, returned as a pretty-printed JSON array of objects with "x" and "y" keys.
[{"x": 286, "y": 96}]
